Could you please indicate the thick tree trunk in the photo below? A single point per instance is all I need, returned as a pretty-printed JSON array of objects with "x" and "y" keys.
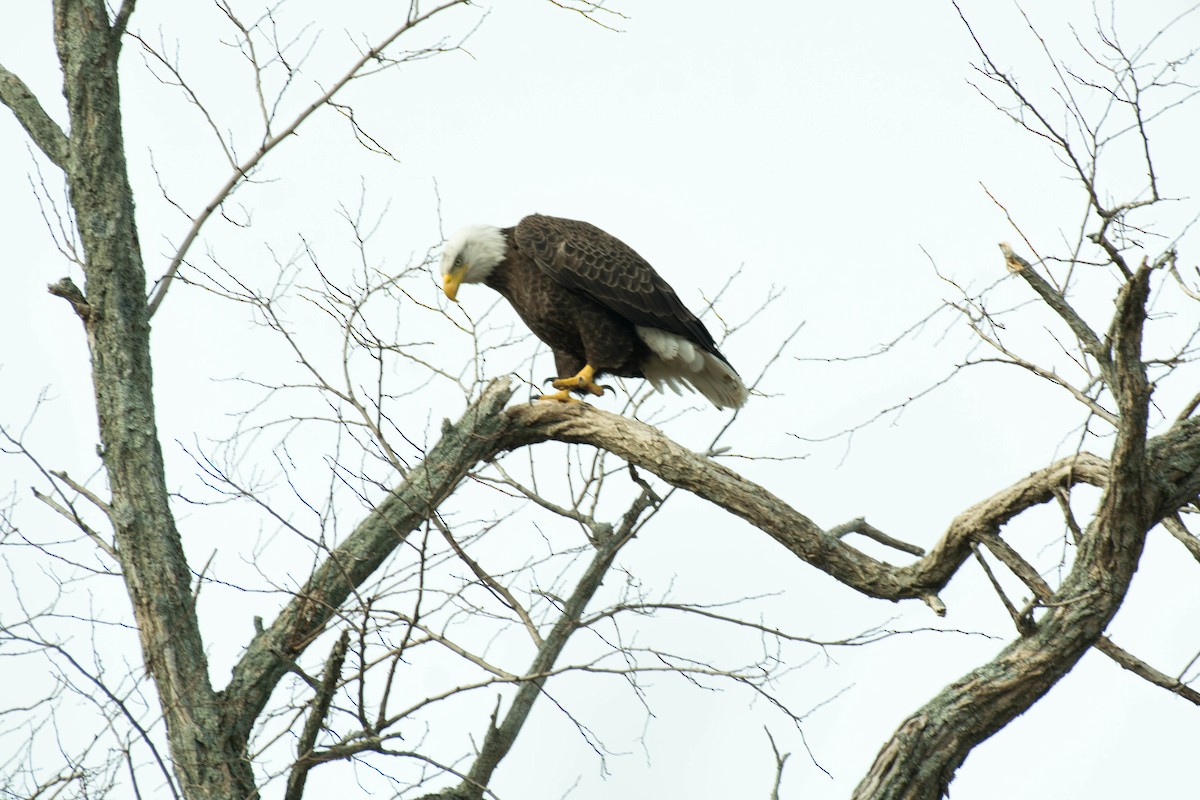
[{"x": 207, "y": 762}]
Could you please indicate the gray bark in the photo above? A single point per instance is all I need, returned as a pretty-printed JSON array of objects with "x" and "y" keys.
[{"x": 208, "y": 762}]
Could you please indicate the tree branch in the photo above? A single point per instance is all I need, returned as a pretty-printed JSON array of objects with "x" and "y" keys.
[
  {"x": 1053, "y": 298},
  {"x": 860, "y": 526},
  {"x": 1043, "y": 594},
  {"x": 1127, "y": 660},
  {"x": 316, "y": 718},
  {"x": 650, "y": 449},
  {"x": 43, "y": 130},
  {"x": 121, "y": 22},
  {"x": 500, "y": 738},
  {"x": 780, "y": 760},
  {"x": 1176, "y": 528}
]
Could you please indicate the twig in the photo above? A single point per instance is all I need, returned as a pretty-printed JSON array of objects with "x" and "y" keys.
[
  {"x": 491, "y": 583},
  {"x": 1176, "y": 528},
  {"x": 1018, "y": 618},
  {"x": 861, "y": 526},
  {"x": 780, "y": 760},
  {"x": 249, "y": 164}
]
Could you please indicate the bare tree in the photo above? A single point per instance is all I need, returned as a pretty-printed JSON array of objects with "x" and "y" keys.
[{"x": 419, "y": 584}]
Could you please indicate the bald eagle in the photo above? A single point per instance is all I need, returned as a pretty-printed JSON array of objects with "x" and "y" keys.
[{"x": 600, "y": 307}]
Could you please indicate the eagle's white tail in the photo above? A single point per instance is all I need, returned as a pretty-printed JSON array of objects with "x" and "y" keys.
[{"x": 675, "y": 361}]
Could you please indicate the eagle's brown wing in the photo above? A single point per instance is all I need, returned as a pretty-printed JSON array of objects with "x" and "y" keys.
[{"x": 587, "y": 260}]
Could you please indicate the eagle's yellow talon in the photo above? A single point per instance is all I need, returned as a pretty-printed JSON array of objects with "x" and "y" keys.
[
  {"x": 580, "y": 383},
  {"x": 563, "y": 397}
]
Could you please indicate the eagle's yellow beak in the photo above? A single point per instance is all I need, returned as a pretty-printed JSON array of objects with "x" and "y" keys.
[{"x": 451, "y": 281}]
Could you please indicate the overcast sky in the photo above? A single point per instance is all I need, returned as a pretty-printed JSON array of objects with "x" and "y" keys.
[{"x": 837, "y": 153}]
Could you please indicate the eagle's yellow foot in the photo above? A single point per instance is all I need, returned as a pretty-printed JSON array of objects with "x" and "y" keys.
[
  {"x": 579, "y": 383},
  {"x": 563, "y": 397}
]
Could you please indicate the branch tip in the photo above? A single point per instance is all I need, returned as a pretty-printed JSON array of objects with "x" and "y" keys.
[
  {"x": 935, "y": 603},
  {"x": 67, "y": 290}
]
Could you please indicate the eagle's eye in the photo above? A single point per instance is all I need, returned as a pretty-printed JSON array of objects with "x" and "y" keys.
[{"x": 458, "y": 261}]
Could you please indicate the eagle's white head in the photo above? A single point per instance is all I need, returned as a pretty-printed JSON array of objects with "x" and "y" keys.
[{"x": 470, "y": 256}]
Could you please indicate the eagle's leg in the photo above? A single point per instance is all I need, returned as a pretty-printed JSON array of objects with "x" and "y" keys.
[{"x": 582, "y": 382}]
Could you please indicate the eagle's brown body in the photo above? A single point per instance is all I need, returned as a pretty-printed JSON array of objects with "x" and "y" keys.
[{"x": 578, "y": 329}]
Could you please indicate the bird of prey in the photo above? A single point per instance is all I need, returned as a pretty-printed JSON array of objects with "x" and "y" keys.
[{"x": 600, "y": 307}]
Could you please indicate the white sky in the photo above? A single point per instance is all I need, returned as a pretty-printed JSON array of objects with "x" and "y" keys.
[{"x": 830, "y": 151}]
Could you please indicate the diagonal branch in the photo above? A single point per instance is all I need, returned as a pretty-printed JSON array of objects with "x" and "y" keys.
[
  {"x": 650, "y": 449},
  {"x": 321, "y": 702},
  {"x": 1053, "y": 298},
  {"x": 1127, "y": 660},
  {"x": 43, "y": 130},
  {"x": 1176, "y": 528},
  {"x": 500, "y": 738},
  {"x": 499, "y": 590},
  {"x": 1044, "y": 594}
]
